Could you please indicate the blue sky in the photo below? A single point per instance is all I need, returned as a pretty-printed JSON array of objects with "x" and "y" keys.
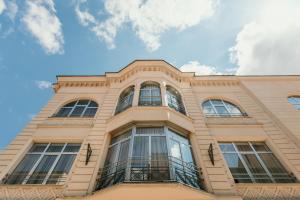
[{"x": 40, "y": 39}]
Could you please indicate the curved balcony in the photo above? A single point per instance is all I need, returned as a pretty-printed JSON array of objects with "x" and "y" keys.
[
  {"x": 145, "y": 153},
  {"x": 135, "y": 170}
]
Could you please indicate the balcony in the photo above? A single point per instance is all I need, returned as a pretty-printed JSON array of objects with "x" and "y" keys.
[{"x": 140, "y": 170}]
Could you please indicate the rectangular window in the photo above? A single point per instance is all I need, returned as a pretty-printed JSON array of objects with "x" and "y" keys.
[
  {"x": 45, "y": 164},
  {"x": 253, "y": 162}
]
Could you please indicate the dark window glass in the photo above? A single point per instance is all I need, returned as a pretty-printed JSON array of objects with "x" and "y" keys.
[{"x": 80, "y": 108}]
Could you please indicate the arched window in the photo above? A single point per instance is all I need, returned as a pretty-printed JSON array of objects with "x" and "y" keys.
[
  {"x": 150, "y": 94},
  {"x": 174, "y": 100},
  {"x": 125, "y": 99},
  {"x": 295, "y": 100},
  {"x": 79, "y": 108},
  {"x": 219, "y": 107}
]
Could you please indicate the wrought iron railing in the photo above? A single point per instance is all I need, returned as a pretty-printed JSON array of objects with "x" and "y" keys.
[{"x": 148, "y": 170}]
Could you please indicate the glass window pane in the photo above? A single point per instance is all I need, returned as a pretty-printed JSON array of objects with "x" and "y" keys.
[
  {"x": 227, "y": 147},
  {"x": 70, "y": 104},
  {"x": 260, "y": 147},
  {"x": 118, "y": 138},
  {"x": 273, "y": 165},
  {"x": 207, "y": 104},
  {"x": 243, "y": 146},
  {"x": 22, "y": 170},
  {"x": 159, "y": 152},
  {"x": 83, "y": 102},
  {"x": 217, "y": 102},
  {"x": 175, "y": 149},
  {"x": 140, "y": 154},
  {"x": 38, "y": 148},
  {"x": 42, "y": 169},
  {"x": 77, "y": 111},
  {"x": 221, "y": 110},
  {"x": 232, "y": 109},
  {"x": 159, "y": 158},
  {"x": 63, "y": 112},
  {"x": 61, "y": 170},
  {"x": 90, "y": 112},
  {"x": 111, "y": 155},
  {"x": 237, "y": 168},
  {"x": 55, "y": 147},
  {"x": 72, "y": 148},
  {"x": 187, "y": 154},
  {"x": 93, "y": 104},
  {"x": 208, "y": 110},
  {"x": 256, "y": 169}
]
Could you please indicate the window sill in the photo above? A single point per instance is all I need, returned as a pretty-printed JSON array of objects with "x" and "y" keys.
[
  {"x": 67, "y": 122},
  {"x": 228, "y": 120}
]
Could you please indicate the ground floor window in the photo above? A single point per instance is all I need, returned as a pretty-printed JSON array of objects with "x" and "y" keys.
[
  {"x": 152, "y": 154},
  {"x": 45, "y": 163},
  {"x": 254, "y": 162}
]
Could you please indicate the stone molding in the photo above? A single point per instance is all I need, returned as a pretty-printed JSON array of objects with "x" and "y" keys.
[
  {"x": 67, "y": 122},
  {"x": 269, "y": 191},
  {"x": 26, "y": 192}
]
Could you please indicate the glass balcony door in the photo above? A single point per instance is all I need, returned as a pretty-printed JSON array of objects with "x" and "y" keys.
[{"x": 149, "y": 154}]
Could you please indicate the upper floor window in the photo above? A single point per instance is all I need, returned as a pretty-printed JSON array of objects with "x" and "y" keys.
[
  {"x": 79, "y": 108},
  {"x": 150, "y": 94},
  {"x": 219, "y": 107},
  {"x": 174, "y": 100},
  {"x": 125, "y": 99},
  {"x": 295, "y": 100},
  {"x": 254, "y": 162},
  {"x": 45, "y": 164}
]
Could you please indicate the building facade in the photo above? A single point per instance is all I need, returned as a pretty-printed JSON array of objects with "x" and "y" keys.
[{"x": 151, "y": 131}]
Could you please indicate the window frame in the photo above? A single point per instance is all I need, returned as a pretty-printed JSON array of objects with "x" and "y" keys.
[
  {"x": 122, "y": 98},
  {"x": 42, "y": 154},
  {"x": 172, "y": 94},
  {"x": 75, "y": 106},
  {"x": 256, "y": 153},
  {"x": 224, "y": 104},
  {"x": 149, "y": 98}
]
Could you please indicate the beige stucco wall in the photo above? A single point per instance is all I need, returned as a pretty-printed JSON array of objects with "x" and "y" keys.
[{"x": 253, "y": 96}]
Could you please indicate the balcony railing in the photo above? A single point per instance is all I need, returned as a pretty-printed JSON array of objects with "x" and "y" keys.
[{"x": 148, "y": 170}]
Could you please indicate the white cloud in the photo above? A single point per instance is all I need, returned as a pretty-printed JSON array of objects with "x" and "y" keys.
[
  {"x": 43, "y": 84},
  {"x": 149, "y": 19},
  {"x": 195, "y": 66},
  {"x": 41, "y": 20},
  {"x": 12, "y": 9},
  {"x": 271, "y": 43},
  {"x": 2, "y": 6}
]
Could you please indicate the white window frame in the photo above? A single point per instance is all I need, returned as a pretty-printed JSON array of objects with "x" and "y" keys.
[
  {"x": 256, "y": 154},
  {"x": 76, "y": 105},
  {"x": 225, "y": 106},
  {"x": 45, "y": 153}
]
